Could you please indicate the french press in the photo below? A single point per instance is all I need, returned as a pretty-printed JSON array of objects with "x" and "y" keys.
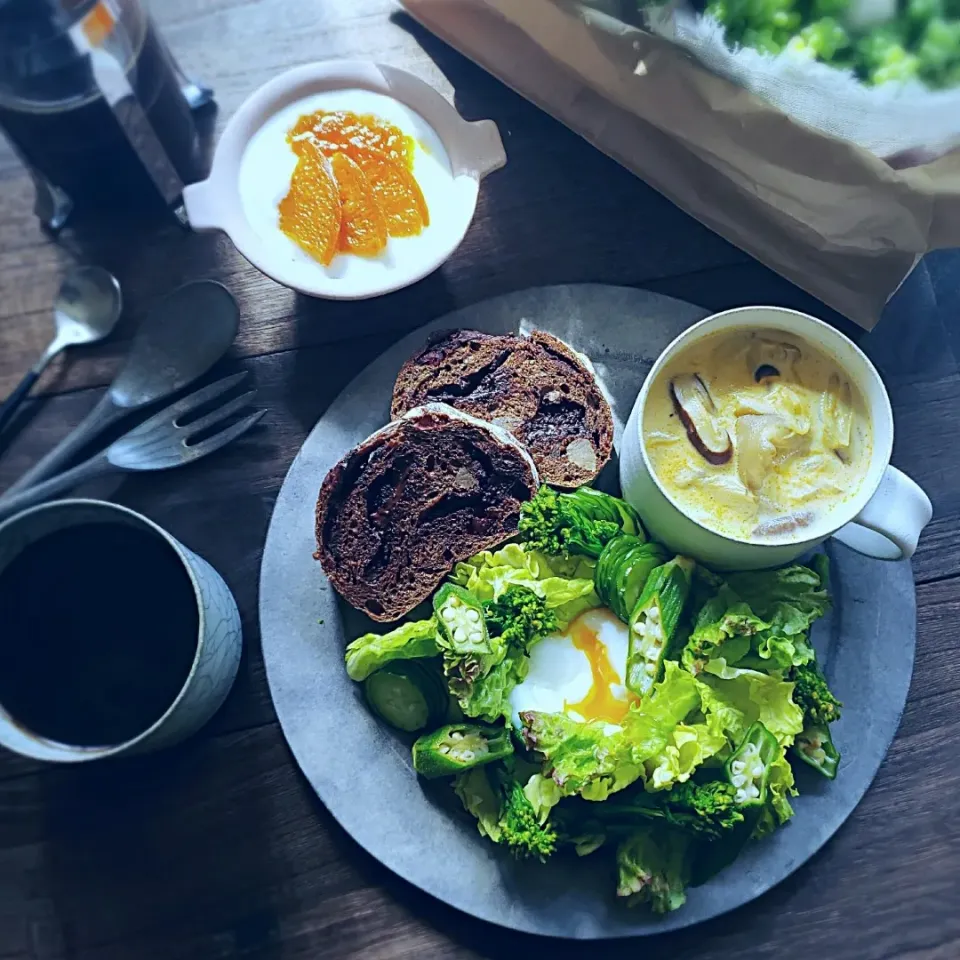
[{"x": 95, "y": 105}]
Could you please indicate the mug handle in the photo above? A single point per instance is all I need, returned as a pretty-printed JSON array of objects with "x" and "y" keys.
[{"x": 889, "y": 526}]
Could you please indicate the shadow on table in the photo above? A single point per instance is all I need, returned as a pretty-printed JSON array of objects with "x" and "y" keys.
[
  {"x": 357, "y": 332},
  {"x": 134, "y": 854}
]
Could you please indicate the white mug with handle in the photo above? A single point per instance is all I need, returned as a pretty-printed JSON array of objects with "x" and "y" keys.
[{"x": 884, "y": 519}]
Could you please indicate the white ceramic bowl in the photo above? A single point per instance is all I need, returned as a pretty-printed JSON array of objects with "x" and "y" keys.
[
  {"x": 252, "y": 166},
  {"x": 884, "y": 519}
]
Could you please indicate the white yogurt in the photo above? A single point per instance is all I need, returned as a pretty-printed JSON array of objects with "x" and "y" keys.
[{"x": 268, "y": 163}]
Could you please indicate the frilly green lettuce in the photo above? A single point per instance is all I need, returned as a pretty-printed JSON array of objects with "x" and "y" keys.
[
  {"x": 760, "y": 619},
  {"x": 543, "y": 795},
  {"x": 789, "y": 600},
  {"x": 757, "y": 696},
  {"x": 723, "y": 628},
  {"x": 591, "y": 759},
  {"x": 721, "y": 714},
  {"x": 780, "y": 787},
  {"x": 369, "y": 653},
  {"x": 565, "y": 585},
  {"x": 486, "y": 697},
  {"x": 799, "y": 587},
  {"x": 478, "y": 797},
  {"x": 687, "y": 748},
  {"x": 596, "y": 759},
  {"x": 652, "y": 867}
]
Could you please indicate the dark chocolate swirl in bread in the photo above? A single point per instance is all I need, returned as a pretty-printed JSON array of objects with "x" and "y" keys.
[
  {"x": 426, "y": 491},
  {"x": 535, "y": 386}
]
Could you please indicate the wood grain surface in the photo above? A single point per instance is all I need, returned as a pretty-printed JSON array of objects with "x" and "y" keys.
[{"x": 218, "y": 848}]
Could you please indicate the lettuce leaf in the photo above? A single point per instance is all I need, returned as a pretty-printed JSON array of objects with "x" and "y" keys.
[
  {"x": 780, "y": 787},
  {"x": 757, "y": 696},
  {"x": 687, "y": 748},
  {"x": 722, "y": 716},
  {"x": 596, "y": 759},
  {"x": 487, "y": 697},
  {"x": 783, "y": 651},
  {"x": 543, "y": 795},
  {"x": 652, "y": 867},
  {"x": 591, "y": 759},
  {"x": 650, "y": 724},
  {"x": 409, "y": 641},
  {"x": 723, "y": 629},
  {"x": 768, "y": 592},
  {"x": 790, "y": 600},
  {"x": 478, "y": 797},
  {"x": 565, "y": 585}
]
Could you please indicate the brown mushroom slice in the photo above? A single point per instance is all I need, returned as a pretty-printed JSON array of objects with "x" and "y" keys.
[
  {"x": 696, "y": 410},
  {"x": 836, "y": 413},
  {"x": 771, "y": 358}
]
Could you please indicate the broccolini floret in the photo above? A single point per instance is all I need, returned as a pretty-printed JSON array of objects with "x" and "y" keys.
[
  {"x": 821, "y": 40},
  {"x": 813, "y": 696},
  {"x": 519, "y": 828},
  {"x": 521, "y": 617},
  {"x": 939, "y": 50},
  {"x": 705, "y": 808},
  {"x": 920, "y": 12},
  {"x": 580, "y": 523}
]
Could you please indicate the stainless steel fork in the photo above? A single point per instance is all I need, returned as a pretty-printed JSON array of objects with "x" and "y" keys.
[{"x": 159, "y": 443}]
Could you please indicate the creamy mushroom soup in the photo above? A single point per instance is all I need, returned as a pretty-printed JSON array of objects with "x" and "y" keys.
[{"x": 757, "y": 435}]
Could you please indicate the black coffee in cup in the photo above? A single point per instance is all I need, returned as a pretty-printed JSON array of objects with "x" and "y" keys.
[{"x": 99, "y": 632}]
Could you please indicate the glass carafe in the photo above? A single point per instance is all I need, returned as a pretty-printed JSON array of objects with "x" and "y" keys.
[{"x": 94, "y": 104}]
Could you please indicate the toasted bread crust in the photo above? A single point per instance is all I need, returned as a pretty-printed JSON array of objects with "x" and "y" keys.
[
  {"x": 536, "y": 386},
  {"x": 398, "y": 511}
]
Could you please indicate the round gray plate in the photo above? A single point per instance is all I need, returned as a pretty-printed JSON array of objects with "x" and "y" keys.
[{"x": 362, "y": 772}]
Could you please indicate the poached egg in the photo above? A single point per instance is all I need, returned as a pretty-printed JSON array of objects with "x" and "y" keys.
[{"x": 579, "y": 672}]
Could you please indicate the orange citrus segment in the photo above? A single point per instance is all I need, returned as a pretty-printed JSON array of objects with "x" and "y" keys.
[
  {"x": 353, "y": 185},
  {"x": 343, "y": 131},
  {"x": 311, "y": 213},
  {"x": 399, "y": 196},
  {"x": 363, "y": 229}
]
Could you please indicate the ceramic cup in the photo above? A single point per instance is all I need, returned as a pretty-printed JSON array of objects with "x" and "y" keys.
[
  {"x": 883, "y": 520},
  {"x": 218, "y": 642}
]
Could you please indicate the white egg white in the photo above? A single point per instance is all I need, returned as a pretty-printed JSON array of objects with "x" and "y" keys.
[
  {"x": 268, "y": 163},
  {"x": 560, "y": 673}
]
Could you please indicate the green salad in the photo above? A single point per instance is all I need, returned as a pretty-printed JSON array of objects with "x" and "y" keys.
[
  {"x": 583, "y": 689},
  {"x": 920, "y": 41}
]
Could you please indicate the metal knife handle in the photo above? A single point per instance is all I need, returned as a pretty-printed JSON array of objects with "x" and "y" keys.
[{"x": 100, "y": 417}]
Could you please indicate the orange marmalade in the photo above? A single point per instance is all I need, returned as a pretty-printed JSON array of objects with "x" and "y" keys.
[{"x": 353, "y": 186}]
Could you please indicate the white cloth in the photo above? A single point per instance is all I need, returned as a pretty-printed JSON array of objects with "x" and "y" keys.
[{"x": 885, "y": 120}]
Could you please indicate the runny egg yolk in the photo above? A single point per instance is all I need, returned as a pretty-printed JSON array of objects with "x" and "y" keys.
[{"x": 600, "y": 702}]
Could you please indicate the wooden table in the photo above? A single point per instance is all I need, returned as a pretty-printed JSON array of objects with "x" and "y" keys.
[{"x": 218, "y": 848}]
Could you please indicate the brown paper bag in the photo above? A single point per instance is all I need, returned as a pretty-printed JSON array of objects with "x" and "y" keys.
[{"x": 844, "y": 225}]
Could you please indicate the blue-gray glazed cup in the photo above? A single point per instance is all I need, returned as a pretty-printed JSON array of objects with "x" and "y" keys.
[{"x": 219, "y": 638}]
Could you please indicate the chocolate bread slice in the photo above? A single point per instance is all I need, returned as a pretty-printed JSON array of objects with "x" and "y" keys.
[
  {"x": 426, "y": 491},
  {"x": 535, "y": 386}
]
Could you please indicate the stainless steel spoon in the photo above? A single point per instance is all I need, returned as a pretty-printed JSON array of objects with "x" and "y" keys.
[
  {"x": 180, "y": 339},
  {"x": 86, "y": 310}
]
